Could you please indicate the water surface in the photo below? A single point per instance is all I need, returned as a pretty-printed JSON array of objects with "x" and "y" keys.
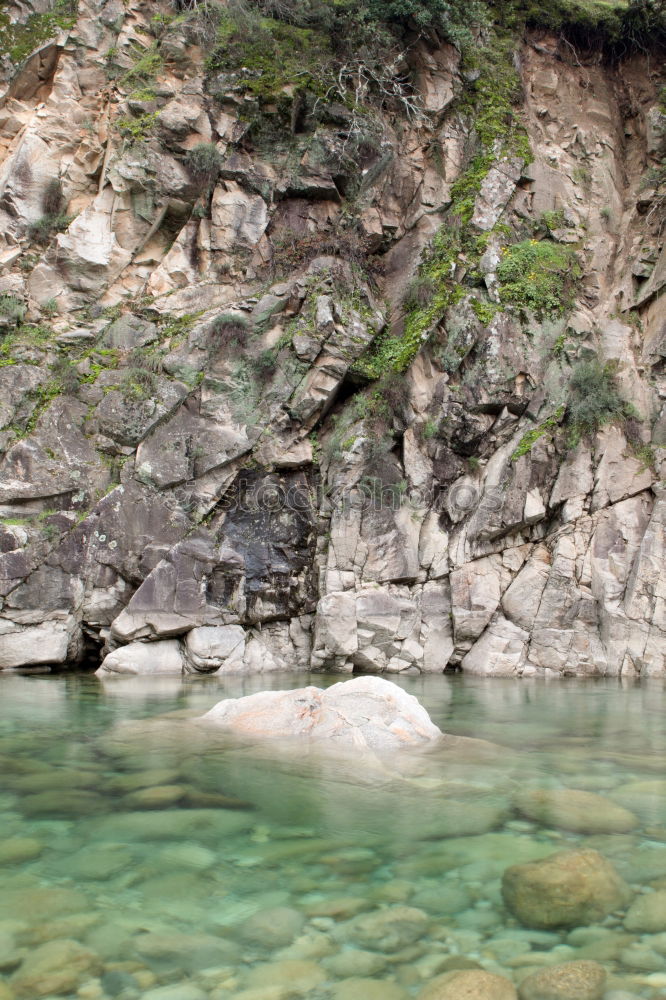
[{"x": 147, "y": 869}]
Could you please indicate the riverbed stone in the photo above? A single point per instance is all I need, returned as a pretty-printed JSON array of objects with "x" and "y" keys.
[
  {"x": 273, "y": 928},
  {"x": 17, "y": 850},
  {"x": 567, "y": 889},
  {"x": 42, "y": 903},
  {"x": 55, "y": 967},
  {"x": 385, "y": 930},
  {"x": 358, "y": 988},
  {"x": 575, "y": 810},
  {"x": 469, "y": 984},
  {"x": 581, "y": 980},
  {"x": 354, "y": 962},
  {"x": 299, "y": 976},
  {"x": 647, "y": 914}
]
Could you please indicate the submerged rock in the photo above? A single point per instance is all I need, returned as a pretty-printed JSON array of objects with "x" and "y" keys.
[
  {"x": 470, "y": 984},
  {"x": 364, "y": 713},
  {"x": 571, "y": 809},
  {"x": 647, "y": 914},
  {"x": 570, "y": 981},
  {"x": 567, "y": 889}
]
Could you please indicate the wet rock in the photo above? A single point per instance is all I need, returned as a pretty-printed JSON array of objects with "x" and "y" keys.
[
  {"x": 42, "y": 903},
  {"x": 299, "y": 976},
  {"x": 270, "y": 929},
  {"x": 357, "y": 988},
  {"x": 471, "y": 984},
  {"x": 647, "y": 914},
  {"x": 567, "y": 889},
  {"x": 385, "y": 930},
  {"x": 160, "y": 797},
  {"x": 570, "y": 981},
  {"x": 183, "y": 991},
  {"x": 570, "y": 809},
  {"x": 16, "y": 850},
  {"x": 190, "y": 952},
  {"x": 354, "y": 962},
  {"x": 62, "y": 803},
  {"x": 55, "y": 967},
  {"x": 367, "y": 712}
]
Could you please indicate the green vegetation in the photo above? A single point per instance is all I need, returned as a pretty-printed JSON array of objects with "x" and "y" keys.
[
  {"x": 148, "y": 63},
  {"x": 204, "y": 161},
  {"x": 539, "y": 275},
  {"x": 137, "y": 129},
  {"x": 65, "y": 374},
  {"x": 138, "y": 385},
  {"x": 227, "y": 329},
  {"x": 19, "y": 40},
  {"x": 547, "y": 426},
  {"x": 594, "y": 399},
  {"x": 46, "y": 227},
  {"x": 12, "y": 310}
]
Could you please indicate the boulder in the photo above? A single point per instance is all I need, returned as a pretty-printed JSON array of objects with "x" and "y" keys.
[
  {"x": 571, "y": 809},
  {"x": 212, "y": 647},
  {"x": 162, "y": 657},
  {"x": 581, "y": 980},
  {"x": 469, "y": 984},
  {"x": 364, "y": 713},
  {"x": 566, "y": 889}
]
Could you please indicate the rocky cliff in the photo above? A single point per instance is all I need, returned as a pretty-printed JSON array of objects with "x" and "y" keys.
[{"x": 314, "y": 362}]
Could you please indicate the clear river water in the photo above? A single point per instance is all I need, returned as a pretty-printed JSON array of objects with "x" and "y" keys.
[{"x": 136, "y": 863}]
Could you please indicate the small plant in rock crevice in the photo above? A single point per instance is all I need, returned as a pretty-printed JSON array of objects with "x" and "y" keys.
[{"x": 594, "y": 399}]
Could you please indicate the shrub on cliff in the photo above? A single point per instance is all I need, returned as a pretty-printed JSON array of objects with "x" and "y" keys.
[
  {"x": 203, "y": 161},
  {"x": 594, "y": 399},
  {"x": 539, "y": 275}
]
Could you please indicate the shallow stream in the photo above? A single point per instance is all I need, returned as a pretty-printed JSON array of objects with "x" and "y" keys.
[{"x": 144, "y": 870}]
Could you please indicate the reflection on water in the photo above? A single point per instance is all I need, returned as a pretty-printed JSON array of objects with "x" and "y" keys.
[{"x": 155, "y": 861}]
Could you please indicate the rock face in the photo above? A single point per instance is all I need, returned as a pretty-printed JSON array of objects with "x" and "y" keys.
[
  {"x": 567, "y": 889},
  {"x": 367, "y": 713},
  {"x": 295, "y": 397}
]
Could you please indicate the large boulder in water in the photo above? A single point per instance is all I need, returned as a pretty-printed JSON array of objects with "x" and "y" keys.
[
  {"x": 566, "y": 889},
  {"x": 363, "y": 713}
]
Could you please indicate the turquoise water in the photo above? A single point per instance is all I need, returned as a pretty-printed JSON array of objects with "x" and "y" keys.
[{"x": 149, "y": 859}]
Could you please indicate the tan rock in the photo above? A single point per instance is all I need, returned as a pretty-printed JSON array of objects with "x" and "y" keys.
[
  {"x": 571, "y": 809},
  {"x": 571, "y": 981},
  {"x": 368, "y": 989},
  {"x": 468, "y": 984},
  {"x": 566, "y": 889},
  {"x": 56, "y": 967},
  {"x": 299, "y": 976}
]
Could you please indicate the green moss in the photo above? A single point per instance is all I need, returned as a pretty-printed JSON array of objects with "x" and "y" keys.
[
  {"x": 538, "y": 275},
  {"x": 148, "y": 63},
  {"x": 527, "y": 441},
  {"x": 137, "y": 129},
  {"x": 19, "y": 40},
  {"x": 484, "y": 311},
  {"x": 272, "y": 56}
]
